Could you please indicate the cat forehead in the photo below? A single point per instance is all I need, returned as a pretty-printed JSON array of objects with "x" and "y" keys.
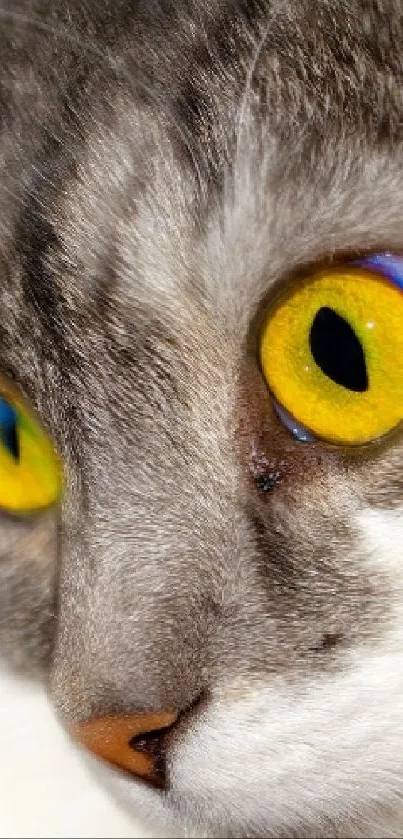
[
  {"x": 262, "y": 147},
  {"x": 176, "y": 246},
  {"x": 194, "y": 183},
  {"x": 234, "y": 201}
]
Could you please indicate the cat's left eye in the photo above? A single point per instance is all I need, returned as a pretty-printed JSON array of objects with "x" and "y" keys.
[
  {"x": 331, "y": 352},
  {"x": 30, "y": 473}
]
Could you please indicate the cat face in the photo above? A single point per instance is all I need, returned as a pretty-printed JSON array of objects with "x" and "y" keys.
[{"x": 166, "y": 173}]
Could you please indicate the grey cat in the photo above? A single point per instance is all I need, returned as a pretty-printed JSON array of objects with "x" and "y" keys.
[{"x": 166, "y": 168}]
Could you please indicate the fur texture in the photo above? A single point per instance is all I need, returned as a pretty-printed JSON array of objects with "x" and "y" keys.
[{"x": 166, "y": 167}]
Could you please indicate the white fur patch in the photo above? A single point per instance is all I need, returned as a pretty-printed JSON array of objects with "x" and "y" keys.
[
  {"x": 382, "y": 534},
  {"x": 282, "y": 757}
]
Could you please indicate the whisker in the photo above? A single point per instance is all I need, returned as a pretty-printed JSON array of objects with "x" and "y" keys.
[{"x": 251, "y": 70}]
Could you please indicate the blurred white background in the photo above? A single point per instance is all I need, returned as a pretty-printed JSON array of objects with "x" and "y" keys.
[{"x": 45, "y": 790}]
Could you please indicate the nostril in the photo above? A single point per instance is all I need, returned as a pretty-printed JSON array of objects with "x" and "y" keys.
[
  {"x": 153, "y": 744},
  {"x": 133, "y": 742}
]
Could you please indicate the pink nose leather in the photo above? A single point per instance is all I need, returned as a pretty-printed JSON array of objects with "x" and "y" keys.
[{"x": 109, "y": 738}]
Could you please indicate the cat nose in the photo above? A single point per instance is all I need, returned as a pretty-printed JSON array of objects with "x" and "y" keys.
[{"x": 133, "y": 742}]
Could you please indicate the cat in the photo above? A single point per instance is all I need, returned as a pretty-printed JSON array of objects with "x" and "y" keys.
[{"x": 168, "y": 170}]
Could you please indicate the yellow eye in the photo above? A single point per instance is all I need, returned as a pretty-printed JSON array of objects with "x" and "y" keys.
[
  {"x": 331, "y": 352},
  {"x": 30, "y": 474}
]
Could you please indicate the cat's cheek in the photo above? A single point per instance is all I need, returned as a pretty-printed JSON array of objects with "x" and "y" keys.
[
  {"x": 277, "y": 744},
  {"x": 28, "y": 559}
]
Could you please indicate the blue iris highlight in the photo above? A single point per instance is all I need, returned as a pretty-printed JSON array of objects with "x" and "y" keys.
[
  {"x": 298, "y": 431},
  {"x": 390, "y": 265},
  {"x": 9, "y": 428}
]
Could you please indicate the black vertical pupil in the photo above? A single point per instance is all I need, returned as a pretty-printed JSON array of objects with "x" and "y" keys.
[{"x": 337, "y": 350}]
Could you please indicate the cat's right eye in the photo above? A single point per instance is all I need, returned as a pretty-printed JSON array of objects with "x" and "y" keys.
[
  {"x": 331, "y": 352},
  {"x": 30, "y": 472}
]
